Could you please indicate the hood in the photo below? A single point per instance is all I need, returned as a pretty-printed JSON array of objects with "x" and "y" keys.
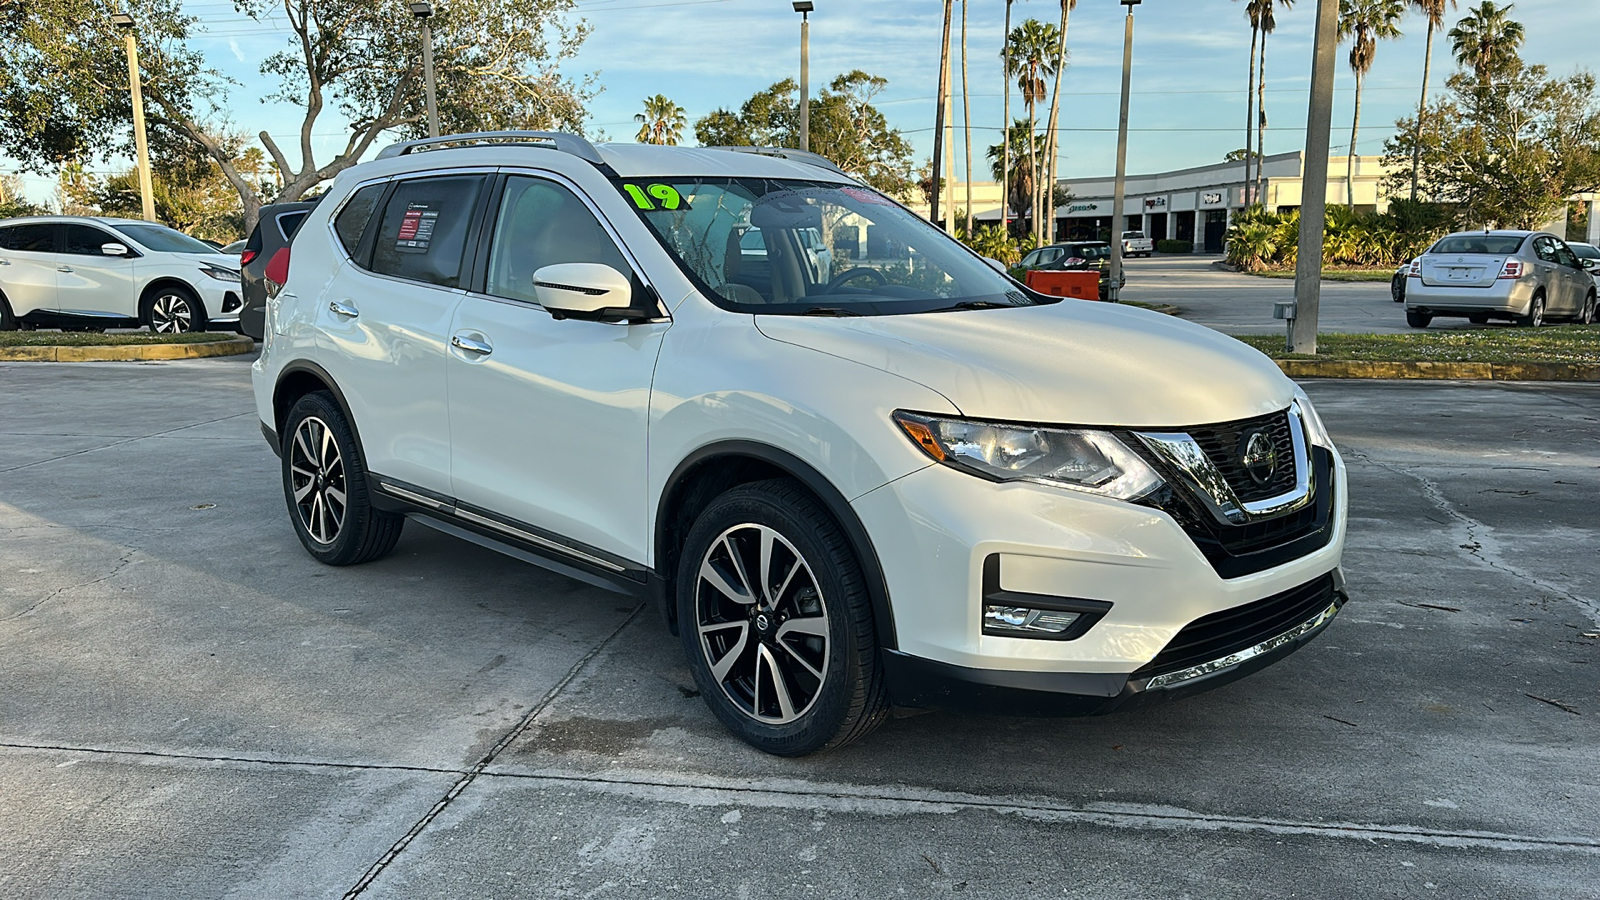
[{"x": 1073, "y": 362}]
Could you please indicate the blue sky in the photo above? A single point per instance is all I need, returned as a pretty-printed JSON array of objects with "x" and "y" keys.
[{"x": 1190, "y": 62}]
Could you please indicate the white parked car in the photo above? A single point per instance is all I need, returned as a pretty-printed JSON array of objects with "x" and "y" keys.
[
  {"x": 914, "y": 482},
  {"x": 93, "y": 273}
]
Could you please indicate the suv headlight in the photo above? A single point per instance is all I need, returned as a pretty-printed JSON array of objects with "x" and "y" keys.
[
  {"x": 1078, "y": 458},
  {"x": 221, "y": 273},
  {"x": 1315, "y": 430}
]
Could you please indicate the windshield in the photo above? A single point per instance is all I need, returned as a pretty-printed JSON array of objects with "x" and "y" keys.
[
  {"x": 162, "y": 239},
  {"x": 1587, "y": 251},
  {"x": 1497, "y": 244},
  {"x": 797, "y": 247}
]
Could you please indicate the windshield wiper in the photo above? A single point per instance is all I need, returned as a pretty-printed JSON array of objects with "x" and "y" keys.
[
  {"x": 976, "y": 304},
  {"x": 833, "y": 311}
]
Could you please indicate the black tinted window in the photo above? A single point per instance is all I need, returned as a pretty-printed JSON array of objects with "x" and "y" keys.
[
  {"x": 424, "y": 229},
  {"x": 37, "y": 238},
  {"x": 1497, "y": 244},
  {"x": 289, "y": 223},
  {"x": 85, "y": 240},
  {"x": 351, "y": 222}
]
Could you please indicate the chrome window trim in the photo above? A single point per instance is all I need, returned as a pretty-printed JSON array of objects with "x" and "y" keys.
[{"x": 1183, "y": 453}]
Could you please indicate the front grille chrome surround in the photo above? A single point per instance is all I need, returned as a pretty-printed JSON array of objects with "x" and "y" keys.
[{"x": 1200, "y": 475}]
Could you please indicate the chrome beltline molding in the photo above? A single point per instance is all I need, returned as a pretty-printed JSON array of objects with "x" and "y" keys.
[
  {"x": 1267, "y": 646},
  {"x": 1201, "y": 476}
]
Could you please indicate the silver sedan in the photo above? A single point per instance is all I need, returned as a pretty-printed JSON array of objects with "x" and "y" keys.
[{"x": 1523, "y": 276}]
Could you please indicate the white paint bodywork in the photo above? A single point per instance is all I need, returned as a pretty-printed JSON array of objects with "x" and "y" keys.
[{"x": 578, "y": 427}]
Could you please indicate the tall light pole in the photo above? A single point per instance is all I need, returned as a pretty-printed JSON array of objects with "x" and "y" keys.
[
  {"x": 1314, "y": 183},
  {"x": 1114, "y": 290},
  {"x": 147, "y": 201},
  {"x": 424, "y": 11},
  {"x": 804, "y": 8}
]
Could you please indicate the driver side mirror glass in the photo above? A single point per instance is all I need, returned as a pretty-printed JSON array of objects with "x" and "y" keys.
[{"x": 112, "y": 248}]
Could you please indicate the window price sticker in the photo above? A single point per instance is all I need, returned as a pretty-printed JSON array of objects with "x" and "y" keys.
[{"x": 416, "y": 228}]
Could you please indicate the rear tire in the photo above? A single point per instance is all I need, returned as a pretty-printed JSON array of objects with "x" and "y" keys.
[
  {"x": 1418, "y": 319},
  {"x": 776, "y": 621},
  {"x": 8, "y": 322},
  {"x": 1535, "y": 316},
  {"x": 325, "y": 486},
  {"x": 1397, "y": 288}
]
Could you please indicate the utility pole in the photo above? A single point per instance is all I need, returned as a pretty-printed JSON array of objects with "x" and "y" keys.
[
  {"x": 1114, "y": 290},
  {"x": 147, "y": 199},
  {"x": 1314, "y": 182},
  {"x": 939, "y": 120},
  {"x": 424, "y": 11},
  {"x": 804, "y": 8}
]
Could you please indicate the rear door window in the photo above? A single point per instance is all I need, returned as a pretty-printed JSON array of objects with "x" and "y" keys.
[
  {"x": 36, "y": 238},
  {"x": 424, "y": 229},
  {"x": 1545, "y": 249}
]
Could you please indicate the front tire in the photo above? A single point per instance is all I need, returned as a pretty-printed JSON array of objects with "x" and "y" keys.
[
  {"x": 325, "y": 486},
  {"x": 1586, "y": 317},
  {"x": 1418, "y": 319},
  {"x": 174, "y": 310},
  {"x": 776, "y": 622}
]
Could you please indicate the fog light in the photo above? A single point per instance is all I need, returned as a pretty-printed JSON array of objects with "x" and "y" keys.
[{"x": 1023, "y": 620}]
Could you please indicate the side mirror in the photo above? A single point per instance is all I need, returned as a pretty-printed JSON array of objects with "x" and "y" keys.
[
  {"x": 584, "y": 291},
  {"x": 996, "y": 265},
  {"x": 114, "y": 249},
  {"x": 1586, "y": 263}
]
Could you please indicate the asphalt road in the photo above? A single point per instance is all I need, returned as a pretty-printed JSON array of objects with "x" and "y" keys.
[
  {"x": 1242, "y": 304},
  {"x": 190, "y": 707}
]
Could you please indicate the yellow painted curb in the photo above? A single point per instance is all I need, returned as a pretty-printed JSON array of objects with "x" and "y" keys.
[
  {"x": 1462, "y": 371},
  {"x": 128, "y": 352}
]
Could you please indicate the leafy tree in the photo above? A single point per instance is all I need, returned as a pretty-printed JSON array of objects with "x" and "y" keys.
[
  {"x": 190, "y": 192},
  {"x": 1367, "y": 21},
  {"x": 1510, "y": 154},
  {"x": 1433, "y": 11},
  {"x": 1486, "y": 40},
  {"x": 661, "y": 122},
  {"x": 845, "y": 127},
  {"x": 496, "y": 62},
  {"x": 13, "y": 202}
]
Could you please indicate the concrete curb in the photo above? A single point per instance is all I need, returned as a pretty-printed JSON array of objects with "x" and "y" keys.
[
  {"x": 128, "y": 352},
  {"x": 1463, "y": 371}
]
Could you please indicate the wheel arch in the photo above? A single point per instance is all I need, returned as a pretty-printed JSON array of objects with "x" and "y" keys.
[
  {"x": 298, "y": 379},
  {"x": 714, "y": 469},
  {"x": 147, "y": 296}
]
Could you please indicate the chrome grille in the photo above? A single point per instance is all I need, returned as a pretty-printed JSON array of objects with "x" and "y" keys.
[{"x": 1223, "y": 446}]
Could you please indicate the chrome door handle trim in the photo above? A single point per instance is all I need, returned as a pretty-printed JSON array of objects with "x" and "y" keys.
[
  {"x": 340, "y": 309},
  {"x": 63, "y": 268},
  {"x": 5, "y": 262},
  {"x": 471, "y": 346}
]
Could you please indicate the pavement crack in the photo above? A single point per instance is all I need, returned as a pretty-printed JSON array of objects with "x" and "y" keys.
[
  {"x": 122, "y": 562},
  {"x": 40, "y": 462},
  {"x": 471, "y": 775},
  {"x": 1475, "y": 538}
]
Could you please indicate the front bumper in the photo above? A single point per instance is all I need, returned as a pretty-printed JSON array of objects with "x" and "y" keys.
[
  {"x": 222, "y": 300},
  {"x": 933, "y": 530}
]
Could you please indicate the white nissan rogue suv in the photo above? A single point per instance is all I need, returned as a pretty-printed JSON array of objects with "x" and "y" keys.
[{"x": 907, "y": 480}]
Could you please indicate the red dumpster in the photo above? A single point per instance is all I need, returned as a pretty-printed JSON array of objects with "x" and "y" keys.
[{"x": 1080, "y": 284}]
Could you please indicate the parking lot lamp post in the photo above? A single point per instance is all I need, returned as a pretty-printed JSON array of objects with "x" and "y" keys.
[
  {"x": 1114, "y": 289},
  {"x": 124, "y": 22},
  {"x": 424, "y": 11},
  {"x": 804, "y": 8}
]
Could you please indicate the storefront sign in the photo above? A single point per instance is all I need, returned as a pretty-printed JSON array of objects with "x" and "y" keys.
[
  {"x": 1082, "y": 207},
  {"x": 1155, "y": 203},
  {"x": 1213, "y": 198}
]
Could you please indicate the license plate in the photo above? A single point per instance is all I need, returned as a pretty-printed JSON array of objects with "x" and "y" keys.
[{"x": 1462, "y": 274}]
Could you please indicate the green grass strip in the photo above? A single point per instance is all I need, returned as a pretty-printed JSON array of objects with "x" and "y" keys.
[
  {"x": 91, "y": 339},
  {"x": 1556, "y": 344}
]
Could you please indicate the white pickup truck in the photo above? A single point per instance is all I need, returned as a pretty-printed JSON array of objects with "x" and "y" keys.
[{"x": 1134, "y": 243}]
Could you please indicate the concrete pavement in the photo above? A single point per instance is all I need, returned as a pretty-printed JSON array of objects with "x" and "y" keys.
[{"x": 192, "y": 707}]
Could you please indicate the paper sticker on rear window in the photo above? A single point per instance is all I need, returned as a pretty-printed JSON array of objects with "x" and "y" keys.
[{"x": 416, "y": 228}]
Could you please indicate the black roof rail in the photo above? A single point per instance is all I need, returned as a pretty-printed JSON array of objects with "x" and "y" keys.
[
  {"x": 567, "y": 143},
  {"x": 801, "y": 156}
]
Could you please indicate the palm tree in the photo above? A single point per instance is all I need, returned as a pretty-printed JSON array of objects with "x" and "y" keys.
[
  {"x": 941, "y": 177},
  {"x": 1010, "y": 161},
  {"x": 1368, "y": 21},
  {"x": 1005, "y": 122},
  {"x": 1252, "y": 11},
  {"x": 1433, "y": 10},
  {"x": 1269, "y": 24},
  {"x": 1033, "y": 46},
  {"x": 1052, "y": 141},
  {"x": 661, "y": 122},
  {"x": 966, "y": 114},
  {"x": 1484, "y": 38}
]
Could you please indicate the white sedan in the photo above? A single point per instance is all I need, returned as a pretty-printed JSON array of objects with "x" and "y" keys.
[{"x": 85, "y": 273}]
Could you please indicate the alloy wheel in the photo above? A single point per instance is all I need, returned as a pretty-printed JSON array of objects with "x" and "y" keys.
[
  {"x": 170, "y": 314},
  {"x": 762, "y": 623},
  {"x": 1536, "y": 311},
  {"x": 318, "y": 480}
]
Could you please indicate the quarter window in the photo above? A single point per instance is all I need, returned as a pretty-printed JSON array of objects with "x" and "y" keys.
[
  {"x": 539, "y": 224},
  {"x": 424, "y": 229},
  {"x": 351, "y": 223}
]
